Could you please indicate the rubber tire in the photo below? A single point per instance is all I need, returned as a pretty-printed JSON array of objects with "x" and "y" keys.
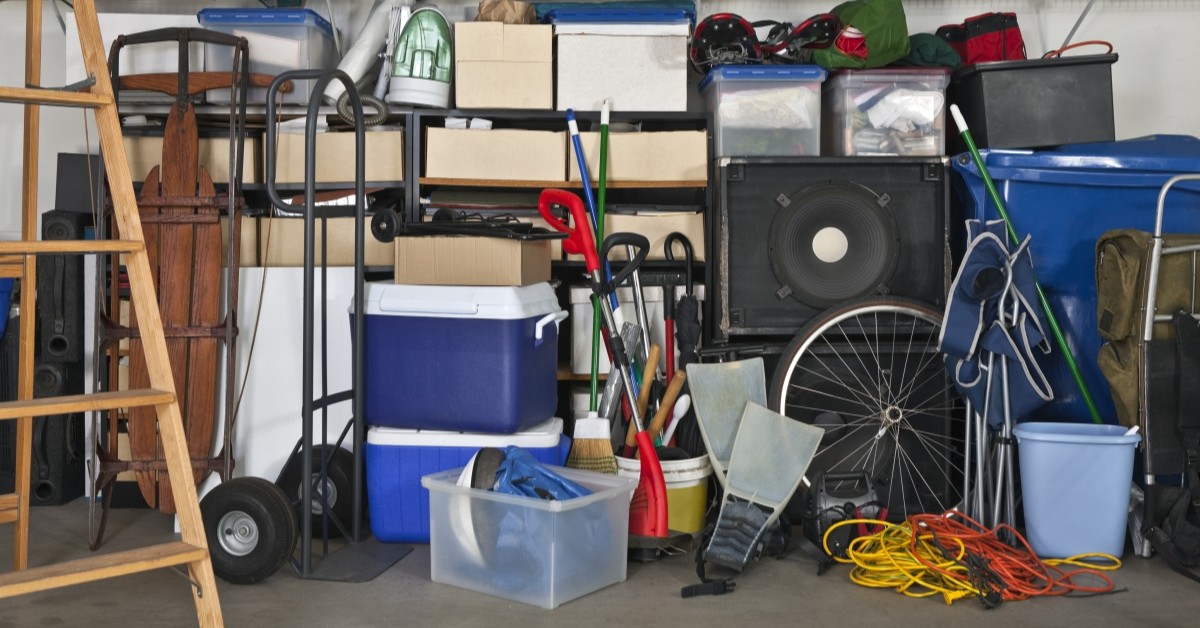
[
  {"x": 273, "y": 518},
  {"x": 341, "y": 475}
]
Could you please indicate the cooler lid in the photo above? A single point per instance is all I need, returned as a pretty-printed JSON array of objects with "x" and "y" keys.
[
  {"x": 539, "y": 436},
  {"x": 764, "y": 73},
  {"x": 265, "y": 17},
  {"x": 482, "y": 302},
  {"x": 1126, "y": 163}
]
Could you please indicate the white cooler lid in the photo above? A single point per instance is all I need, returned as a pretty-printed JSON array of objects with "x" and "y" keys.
[
  {"x": 489, "y": 302},
  {"x": 538, "y": 437}
]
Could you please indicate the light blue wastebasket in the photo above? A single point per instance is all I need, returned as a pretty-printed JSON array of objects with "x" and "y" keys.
[{"x": 1075, "y": 481}]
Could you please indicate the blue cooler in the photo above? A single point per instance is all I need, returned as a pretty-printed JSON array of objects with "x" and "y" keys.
[
  {"x": 461, "y": 358},
  {"x": 1065, "y": 199},
  {"x": 397, "y": 459}
]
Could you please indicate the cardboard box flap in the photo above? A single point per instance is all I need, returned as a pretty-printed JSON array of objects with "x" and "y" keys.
[{"x": 494, "y": 41}]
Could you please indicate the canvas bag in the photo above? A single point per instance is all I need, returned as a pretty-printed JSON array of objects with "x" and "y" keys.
[
  {"x": 985, "y": 37},
  {"x": 874, "y": 33}
]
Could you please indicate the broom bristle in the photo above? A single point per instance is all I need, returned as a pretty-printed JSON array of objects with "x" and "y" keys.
[{"x": 591, "y": 449}]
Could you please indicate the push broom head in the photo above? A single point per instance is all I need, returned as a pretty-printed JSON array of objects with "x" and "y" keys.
[{"x": 592, "y": 449}]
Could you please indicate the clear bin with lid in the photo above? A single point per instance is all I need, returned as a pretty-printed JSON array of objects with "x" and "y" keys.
[
  {"x": 888, "y": 111},
  {"x": 765, "y": 111}
]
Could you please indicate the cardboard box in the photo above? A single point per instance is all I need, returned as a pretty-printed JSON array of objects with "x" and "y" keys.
[
  {"x": 651, "y": 156},
  {"x": 641, "y": 67},
  {"x": 335, "y": 157},
  {"x": 281, "y": 243},
  {"x": 505, "y": 66},
  {"x": 144, "y": 152},
  {"x": 656, "y": 227},
  {"x": 248, "y": 253},
  {"x": 471, "y": 261},
  {"x": 501, "y": 154}
]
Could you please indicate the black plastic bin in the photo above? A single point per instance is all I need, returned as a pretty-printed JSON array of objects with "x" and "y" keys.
[{"x": 1036, "y": 103}]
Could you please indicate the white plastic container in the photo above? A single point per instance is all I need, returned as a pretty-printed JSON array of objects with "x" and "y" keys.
[
  {"x": 772, "y": 111},
  {"x": 889, "y": 111},
  {"x": 527, "y": 550},
  {"x": 280, "y": 40}
]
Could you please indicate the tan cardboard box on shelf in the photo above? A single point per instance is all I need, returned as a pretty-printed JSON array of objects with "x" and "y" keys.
[
  {"x": 384, "y": 152},
  {"x": 656, "y": 227},
  {"x": 248, "y": 253},
  {"x": 471, "y": 261},
  {"x": 145, "y": 152},
  {"x": 646, "y": 156},
  {"x": 280, "y": 242},
  {"x": 499, "y": 154},
  {"x": 504, "y": 66}
]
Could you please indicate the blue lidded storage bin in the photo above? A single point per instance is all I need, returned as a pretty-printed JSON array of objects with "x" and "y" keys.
[
  {"x": 1065, "y": 198},
  {"x": 397, "y": 459},
  {"x": 6, "y": 288},
  {"x": 1075, "y": 481},
  {"x": 461, "y": 358},
  {"x": 765, "y": 111}
]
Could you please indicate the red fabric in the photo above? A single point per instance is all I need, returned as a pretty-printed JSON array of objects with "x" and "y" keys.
[
  {"x": 986, "y": 37},
  {"x": 851, "y": 42}
]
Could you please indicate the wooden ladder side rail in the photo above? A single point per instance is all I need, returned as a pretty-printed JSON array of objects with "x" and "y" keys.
[{"x": 193, "y": 550}]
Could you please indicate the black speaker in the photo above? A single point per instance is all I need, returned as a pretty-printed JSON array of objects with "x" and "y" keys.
[
  {"x": 60, "y": 290},
  {"x": 796, "y": 236},
  {"x": 10, "y": 347},
  {"x": 79, "y": 186}
]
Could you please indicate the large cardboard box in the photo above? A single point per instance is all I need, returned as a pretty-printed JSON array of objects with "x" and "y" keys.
[
  {"x": 650, "y": 156},
  {"x": 656, "y": 226},
  {"x": 641, "y": 67},
  {"x": 505, "y": 66},
  {"x": 248, "y": 232},
  {"x": 335, "y": 157},
  {"x": 501, "y": 154},
  {"x": 144, "y": 152},
  {"x": 471, "y": 261},
  {"x": 281, "y": 243}
]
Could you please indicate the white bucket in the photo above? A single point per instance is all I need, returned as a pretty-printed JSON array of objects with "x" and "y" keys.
[{"x": 687, "y": 489}]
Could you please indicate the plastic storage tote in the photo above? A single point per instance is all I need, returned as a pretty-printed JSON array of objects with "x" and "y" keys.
[
  {"x": 890, "y": 111},
  {"x": 528, "y": 550},
  {"x": 1075, "y": 481},
  {"x": 397, "y": 459},
  {"x": 765, "y": 111},
  {"x": 1065, "y": 199},
  {"x": 461, "y": 358},
  {"x": 280, "y": 40}
]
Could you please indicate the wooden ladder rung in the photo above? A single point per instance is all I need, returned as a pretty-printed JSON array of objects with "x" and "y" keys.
[
  {"x": 52, "y": 247},
  {"x": 99, "y": 567},
  {"x": 8, "y": 508},
  {"x": 89, "y": 402},
  {"x": 53, "y": 97}
]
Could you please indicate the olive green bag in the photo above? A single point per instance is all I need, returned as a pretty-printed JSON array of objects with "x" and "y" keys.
[{"x": 874, "y": 33}]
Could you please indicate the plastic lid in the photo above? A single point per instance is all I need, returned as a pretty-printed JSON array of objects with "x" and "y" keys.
[
  {"x": 764, "y": 73},
  {"x": 481, "y": 302},
  {"x": 1121, "y": 163},
  {"x": 539, "y": 436},
  {"x": 627, "y": 15},
  {"x": 265, "y": 17},
  {"x": 1025, "y": 64}
]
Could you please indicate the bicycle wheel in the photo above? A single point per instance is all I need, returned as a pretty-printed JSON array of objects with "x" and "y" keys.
[{"x": 870, "y": 374}]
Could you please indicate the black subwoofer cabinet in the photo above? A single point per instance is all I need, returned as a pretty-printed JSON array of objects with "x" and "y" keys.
[{"x": 795, "y": 236}]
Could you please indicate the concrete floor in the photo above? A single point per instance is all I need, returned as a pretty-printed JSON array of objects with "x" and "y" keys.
[{"x": 781, "y": 592}]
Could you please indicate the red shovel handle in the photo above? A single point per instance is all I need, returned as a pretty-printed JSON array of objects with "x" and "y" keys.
[
  {"x": 579, "y": 239},
  {"x": 650, "y": 521}
]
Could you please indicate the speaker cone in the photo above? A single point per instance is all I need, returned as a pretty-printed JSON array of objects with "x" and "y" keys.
[{"x": 832, "y": 242}]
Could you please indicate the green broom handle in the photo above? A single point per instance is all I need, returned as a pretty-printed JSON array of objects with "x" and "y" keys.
[
  {"x": 1055, "y": 329},
  {"x": 602, "y": 178}
]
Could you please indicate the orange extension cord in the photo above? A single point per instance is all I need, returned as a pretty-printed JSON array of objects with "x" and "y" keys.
[{"x": 958, "y": 557}]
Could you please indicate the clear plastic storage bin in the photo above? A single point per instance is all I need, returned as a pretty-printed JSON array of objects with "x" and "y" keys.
[
  {"x": 765, "y": 111},
  {"x": 890, "y": 111},
  {"x": 280, "y": 40}
]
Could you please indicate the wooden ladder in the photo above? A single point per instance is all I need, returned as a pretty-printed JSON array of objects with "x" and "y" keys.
[{"x": 18, "y": 259}]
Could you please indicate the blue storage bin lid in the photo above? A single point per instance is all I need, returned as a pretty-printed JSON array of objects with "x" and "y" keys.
[
  {"x": 622, "y": 15},
  {"x": 764, "y": 73},
  {"x": 265, "y": 17},
  {"x": 1139, "y": 162}
]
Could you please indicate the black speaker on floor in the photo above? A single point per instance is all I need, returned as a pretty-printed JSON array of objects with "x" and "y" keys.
[
  {"x": 796, "y": 236},
  {"x": 58, "y": 470},
  {"x": 10, "y": 344},
  {"x": 60, "y": 290}
]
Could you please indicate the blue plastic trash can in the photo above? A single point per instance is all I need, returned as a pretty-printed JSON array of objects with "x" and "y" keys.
[
  {"x": 1065, "y": 199},
  {"x": 1075, "y": 482}
]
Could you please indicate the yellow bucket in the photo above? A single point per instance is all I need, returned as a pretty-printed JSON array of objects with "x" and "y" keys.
[{"x": 687, "y": 489}]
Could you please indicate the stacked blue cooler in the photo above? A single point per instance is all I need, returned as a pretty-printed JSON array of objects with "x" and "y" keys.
[
  {"x": 1065, "y": 198},
  {"x": 448, "y": 370}
]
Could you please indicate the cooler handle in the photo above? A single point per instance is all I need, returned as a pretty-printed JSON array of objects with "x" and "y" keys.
[
  {"x": 427, "y": 307},
  {"x": 556, "y": 317}
]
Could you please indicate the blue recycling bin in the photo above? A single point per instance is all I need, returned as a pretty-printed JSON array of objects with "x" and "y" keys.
[
  {"x": 6, "y": 287},
  {"x": 1065, "y": 198}
]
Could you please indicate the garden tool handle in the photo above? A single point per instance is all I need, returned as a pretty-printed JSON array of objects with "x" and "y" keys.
[
  {"x": 667, "y": 405},
  {"x": 641, "y": 247},
  {"x": 579, "y": 238},
  {"x": 643, "y": 399},
  {"x": 688, "y": 257}
]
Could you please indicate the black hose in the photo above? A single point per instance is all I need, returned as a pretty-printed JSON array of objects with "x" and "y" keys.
[{"x": 379, "y": 117}]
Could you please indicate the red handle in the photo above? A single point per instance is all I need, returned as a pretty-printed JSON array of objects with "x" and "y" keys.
[
  {"x": 579, "y": 239},
  {"x": 652, "y": 520}
]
